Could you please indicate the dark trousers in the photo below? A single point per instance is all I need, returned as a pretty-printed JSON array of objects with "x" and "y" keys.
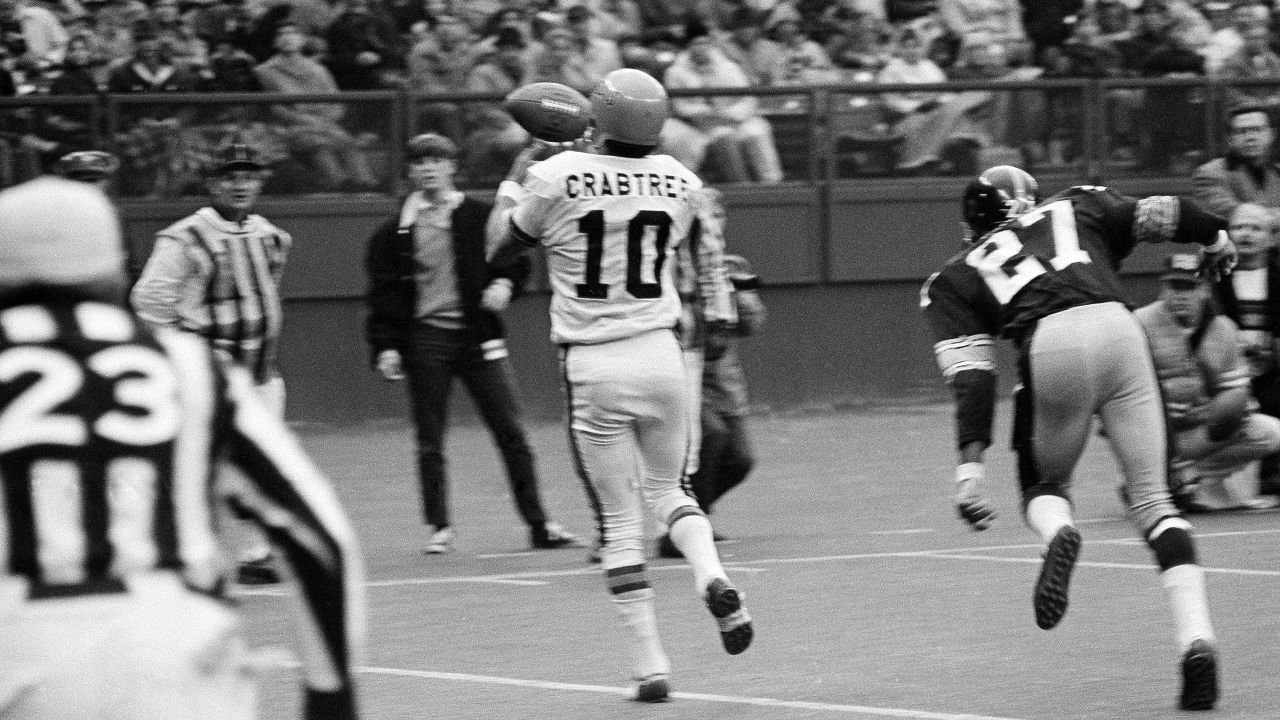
[
  {"x": 725, "y": 458},
  {"x": 1266, "y": 390},
  {"x": 436, "y": 355}
]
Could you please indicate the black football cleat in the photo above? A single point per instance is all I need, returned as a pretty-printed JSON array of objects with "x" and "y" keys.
[
  {"x": 654, "y": 689},
  {"x": 725, "y": 604},
  {"x": 1050, "y": 598},
  {"x": 1199, "y": 677}
]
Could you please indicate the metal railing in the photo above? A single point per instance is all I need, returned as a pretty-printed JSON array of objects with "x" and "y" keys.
[{"x": 1094, "y": 129}]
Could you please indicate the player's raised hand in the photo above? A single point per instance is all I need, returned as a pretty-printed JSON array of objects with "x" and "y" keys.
[
  {"x": 972, "y": 506},
  {"x": 1219, "y": 258}
]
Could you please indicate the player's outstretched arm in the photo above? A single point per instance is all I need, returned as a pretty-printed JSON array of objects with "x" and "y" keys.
[{"x": 297, "y": 508}]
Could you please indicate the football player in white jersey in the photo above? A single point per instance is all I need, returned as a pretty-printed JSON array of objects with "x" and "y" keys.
[{"x": 610, "y": 222}]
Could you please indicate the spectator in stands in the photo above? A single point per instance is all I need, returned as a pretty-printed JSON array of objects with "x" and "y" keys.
[
  {"x": 364, "y": 48},
  {"x": 732, "y": 124},
  {"x": 797, "y": 49},
  {"x": 746, "y": 45},
  {"x": 411, "y": 17},
  {"x": 1250, "y": 296},
  {"x": 313, "y": 131},
  {"x": 1205, "y": 383},
  {"x": 1085, "y": 54},
  {"x": 230, "y": 69},
  {"x": 147, "y": 151},
  {"x": 1013, "y": 122},
  {"x": 599, "y": 54},
  {"x": 1228, "y": 41},
  {"x": 560, "y": 60},
  {"x": 494, "y": 139},
  {"x": 31, "y": 35},
  {"x": 188, "y": 49},
  {"x": 671, "y": 15},
  {"x": 439, "y": 63},
  {"x": 616, "y": 18},
  {"x": 1247, "y": 173},
  {"x": 73, "y": 125},
  {"x": 927, "y": 120},
  {"x": 860, "y": 42},
  {"x": 228, "y": 21},
  {"x": 1115, "y": 20},
  {"x": 985, "y": 22},
  {"x": 1255, "y": 60},
  {"x": 1167, "y": 46},
  {"x": 1049, "y": 24}
]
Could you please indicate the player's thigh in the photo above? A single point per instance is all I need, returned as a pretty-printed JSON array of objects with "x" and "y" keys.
[{"x": 1060, "y": 401}]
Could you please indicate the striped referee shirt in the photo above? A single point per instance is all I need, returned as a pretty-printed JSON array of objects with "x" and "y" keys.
[
  {"x": 108, "y": 436},
  {"x": 221, "y": 280}
]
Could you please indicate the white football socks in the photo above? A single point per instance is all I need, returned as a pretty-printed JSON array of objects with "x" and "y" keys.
[
  {"x": 647, "y": 656},
  {"x": 692, "y": 535},
  {"x": 1047, "y": 514},
  {"x": 1184, "y": 588}
]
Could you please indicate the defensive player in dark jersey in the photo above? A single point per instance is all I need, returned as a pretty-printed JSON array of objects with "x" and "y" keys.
[
  {"x": 111, "y": 594},
  {"x": 1044, "y": 275}
]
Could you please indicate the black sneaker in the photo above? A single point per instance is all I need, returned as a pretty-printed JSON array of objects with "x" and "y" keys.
[
  {"x": 1050, "y": 598},
  {"x": 654, "y": 689},
  {"x": 1199, "y": 677},
  {"x": 725, "y": 604},
  {"x": 257, "y": 572},
  {"x": 552, "y": 537}
]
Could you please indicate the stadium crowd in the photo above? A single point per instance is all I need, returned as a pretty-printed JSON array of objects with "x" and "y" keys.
[{"x": 443, "y": 47}]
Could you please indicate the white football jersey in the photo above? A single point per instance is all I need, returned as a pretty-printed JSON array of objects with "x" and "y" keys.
[{"x": 610, "y": 225}]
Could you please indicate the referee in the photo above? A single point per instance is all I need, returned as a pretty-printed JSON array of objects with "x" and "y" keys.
[
  {"x": 111, "y": 585},
  {"x": 216, "y": 273}
]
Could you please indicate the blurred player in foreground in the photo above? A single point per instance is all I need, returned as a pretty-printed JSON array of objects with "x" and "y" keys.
[
  {"x": 111, "y": 603},
  {"x": 1044, "y": 275},
  {"x": 610, "y": 223}
]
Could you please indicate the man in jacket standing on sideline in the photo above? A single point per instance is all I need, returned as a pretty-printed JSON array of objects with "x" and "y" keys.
[{"x": 434, "y": 306}]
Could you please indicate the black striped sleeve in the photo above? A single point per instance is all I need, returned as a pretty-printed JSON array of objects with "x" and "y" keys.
[
  {"x": 294, "y": 503},
  {"x": 523, "y": 237}
]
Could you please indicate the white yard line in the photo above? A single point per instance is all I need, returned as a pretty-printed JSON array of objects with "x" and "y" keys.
[{"x": 703, "y": 697}]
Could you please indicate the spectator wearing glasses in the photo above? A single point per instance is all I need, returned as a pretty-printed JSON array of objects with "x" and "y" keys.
[{"x": 1246, "y": 173}]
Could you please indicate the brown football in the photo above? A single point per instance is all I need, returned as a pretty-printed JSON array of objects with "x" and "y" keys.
[{"x": 549, "y": 111}]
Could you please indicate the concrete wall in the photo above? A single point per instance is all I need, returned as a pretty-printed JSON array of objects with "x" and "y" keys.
[{"x": 843, "y": 265}]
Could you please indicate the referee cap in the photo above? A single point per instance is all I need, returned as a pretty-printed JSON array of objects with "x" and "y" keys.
[
  {"x": 1181, "y": 269},
  {"x": 236, "y": 156},
  {"x": 55, "y": 231},
  {"x": 87, "y": 165}
]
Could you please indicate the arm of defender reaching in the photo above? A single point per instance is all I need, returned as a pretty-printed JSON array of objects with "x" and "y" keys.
[
  {"x": 295, "y": 505},
  {"x": 966, "y": 357}
]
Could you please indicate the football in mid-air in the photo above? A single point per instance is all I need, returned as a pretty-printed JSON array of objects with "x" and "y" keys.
[{"x": 549, "y": 111}]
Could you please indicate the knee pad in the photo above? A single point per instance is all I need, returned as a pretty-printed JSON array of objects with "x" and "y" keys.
[{"x": 1172, "y": 544}]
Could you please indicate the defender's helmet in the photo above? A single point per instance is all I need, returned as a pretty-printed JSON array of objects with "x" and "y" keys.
[
  {"x": 629, "y": 106},
  {"x": 999, "y": 193}
]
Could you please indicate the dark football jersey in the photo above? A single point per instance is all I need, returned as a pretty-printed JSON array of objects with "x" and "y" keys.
[{"x": 1064, "y": 253}]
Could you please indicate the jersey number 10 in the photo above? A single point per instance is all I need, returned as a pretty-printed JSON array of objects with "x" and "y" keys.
[{"x": 592, "y": 226}]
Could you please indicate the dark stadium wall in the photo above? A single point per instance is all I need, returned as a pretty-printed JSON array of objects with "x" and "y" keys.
[{"x": 843, "y": 271}]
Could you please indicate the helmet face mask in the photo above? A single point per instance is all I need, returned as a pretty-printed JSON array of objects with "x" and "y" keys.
[{"x": 997, "y": 195}]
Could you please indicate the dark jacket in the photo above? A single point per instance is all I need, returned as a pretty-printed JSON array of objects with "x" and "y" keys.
[{"x": 393, "y": 287}]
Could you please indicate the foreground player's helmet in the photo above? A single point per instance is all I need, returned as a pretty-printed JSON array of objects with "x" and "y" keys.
[
  {"x": 999, "y": 193},
  {"x": 55, "y": 231},
  {"x": 629, "y": 106}
]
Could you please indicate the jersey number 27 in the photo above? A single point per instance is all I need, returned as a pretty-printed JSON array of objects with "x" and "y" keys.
[{"x": 1006, "y": 265}]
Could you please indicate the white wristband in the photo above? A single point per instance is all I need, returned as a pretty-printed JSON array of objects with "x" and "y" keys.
[
  {"x": 969, "y": 471},
  {"x": 1220, "y": 245}
]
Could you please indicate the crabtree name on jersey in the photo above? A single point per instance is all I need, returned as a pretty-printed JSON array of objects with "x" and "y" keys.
[{"x": 599, "y": 184}]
